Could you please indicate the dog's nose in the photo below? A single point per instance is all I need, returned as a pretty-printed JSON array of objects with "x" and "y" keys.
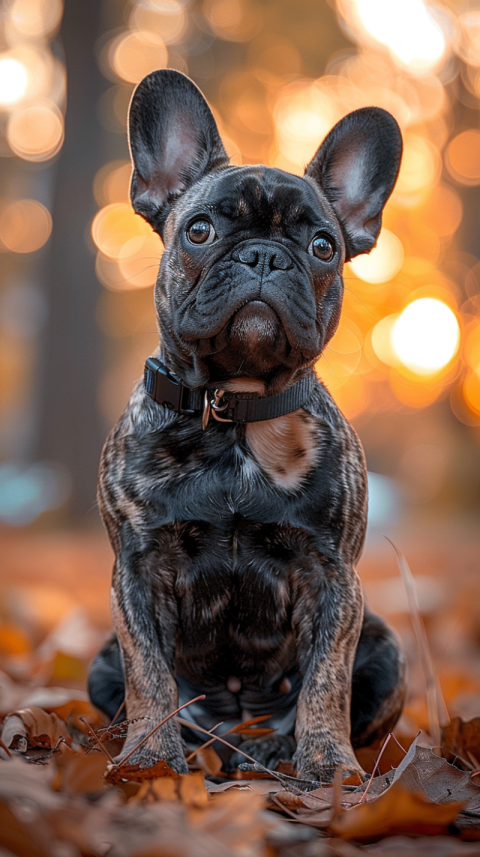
[{"x": 263, "y": 256}]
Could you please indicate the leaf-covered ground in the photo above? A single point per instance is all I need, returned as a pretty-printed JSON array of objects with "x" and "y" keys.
[{"x": 61, "y": 796}]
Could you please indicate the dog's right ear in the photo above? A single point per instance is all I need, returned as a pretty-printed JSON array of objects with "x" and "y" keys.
[{"x": 174, "y": 141}]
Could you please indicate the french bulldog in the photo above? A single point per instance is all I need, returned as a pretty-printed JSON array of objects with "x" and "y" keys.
[{"x": 233, "y": 489}]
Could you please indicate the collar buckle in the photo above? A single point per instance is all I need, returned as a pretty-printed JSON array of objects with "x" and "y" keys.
[{"x": 163, "y": 386}]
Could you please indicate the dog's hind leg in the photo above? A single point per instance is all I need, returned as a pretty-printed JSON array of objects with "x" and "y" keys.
[
  {"x": 106, "y": 682},
  {"x": 378, "y": 682}
]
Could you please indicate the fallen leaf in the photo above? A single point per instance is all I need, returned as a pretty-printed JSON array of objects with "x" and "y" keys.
[
  {"x": 462, "y": 738},
  {"x": 398, "y": 810},
  {"x": 187, "y": 788},
  {"x": 208, "y": 760},
  {"x": 67, "y": 668},
  {"x": 423, "y": 772},
  {"x": 247, "y": 727},
  {"x": 79, "y": 773},
  {"x": 33, "y": 727},
  {"x": 13, "y": 639},
  {"x": 116, "y": 773}
]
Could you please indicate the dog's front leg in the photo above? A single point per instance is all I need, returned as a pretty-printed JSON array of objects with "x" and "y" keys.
[
  {"x": 328, "y": 618},
  {"x": 145, "y": 617}
]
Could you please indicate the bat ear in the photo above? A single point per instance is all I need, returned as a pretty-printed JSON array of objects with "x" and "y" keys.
[
  {"x": 174, "y": 141},
  {"x": 356, "y": 167}
]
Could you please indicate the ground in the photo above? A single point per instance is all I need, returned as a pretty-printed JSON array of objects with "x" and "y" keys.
[{"x": 55, "y": 799}]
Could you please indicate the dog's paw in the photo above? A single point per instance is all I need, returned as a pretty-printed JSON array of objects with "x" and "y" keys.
[
  {"x": 267, "y": 751},
  {"x": 322, "y": 765},
  {"x": 147, "y": 757}
]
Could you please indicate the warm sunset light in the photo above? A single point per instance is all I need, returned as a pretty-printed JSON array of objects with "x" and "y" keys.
[
  {"x": 139, "y": 259},
  {"x": 303, "y": 117},
  {"x": 384, "y": 261},
  {"x": 25, "y": 225},
  {"x": 463, "y": 157},
  {"x": 134, "y": 55},
  {"x": 35, "y": 133},
  {"x": 407, "y": 28},
  {"x": 114, "y": 225},
  {"x": 426, "y": 335},
  {"x": 13, "y": 80}
]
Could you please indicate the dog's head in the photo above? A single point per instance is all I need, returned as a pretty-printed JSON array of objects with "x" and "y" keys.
[{"x": 250, "y": 282}]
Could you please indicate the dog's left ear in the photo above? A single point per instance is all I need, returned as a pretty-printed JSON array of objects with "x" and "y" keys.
[
  {"x": 356, "y": 167},
  {"x": 174, "y": 141}
]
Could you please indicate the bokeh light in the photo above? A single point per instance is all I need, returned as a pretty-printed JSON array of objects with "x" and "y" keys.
[
  {"x": 303, "y": 117},
  {"x": 35, "y": 132},
  {"x": 278, "y": 81},
  {"x": 112, "y": 182},
  {"x": 471, "y": 392},
  {"x": 25, "y": 225},
  {"x": 134, "y": 55},
  {"x": 383, "y": 262},
  {"x": 36, "y": 18},
  {"x": 13, "y": 80},
  {"x": 419, "y": 171},
  {"x": 233, "y": 20},
  {"x": 463, "y": 157},
  {"x": 426, "y": 335},
  {"x": 467, "y": 43},
  {"x": 406, "y": 27},
  {"x": 116, "y": 224},
  {"x": 167, "y": 18}
]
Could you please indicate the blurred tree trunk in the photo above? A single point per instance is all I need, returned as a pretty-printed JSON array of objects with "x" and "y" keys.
[{"x": 69, "y": 424}]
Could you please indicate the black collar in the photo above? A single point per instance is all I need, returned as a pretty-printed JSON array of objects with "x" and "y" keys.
[{"x": 165, "y": 388}]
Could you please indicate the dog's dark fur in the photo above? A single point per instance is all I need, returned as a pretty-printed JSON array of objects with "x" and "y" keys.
[{"x": 236, "y": 546}]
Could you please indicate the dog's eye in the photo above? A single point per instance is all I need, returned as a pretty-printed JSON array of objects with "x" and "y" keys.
[
  {"x": 201, "y": 232},
  {"x": 322, "y": 247}
]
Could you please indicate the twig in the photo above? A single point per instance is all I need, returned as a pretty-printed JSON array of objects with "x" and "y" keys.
[
  {"x": 397, "y": 742},
  {"x": 112, "y": 721},
  {"x": 185, "y": 704},
  {"x": 473, "y": 760},
  {"x": 4, "y": 746},
  {"x": 437, "y": 710},
  {"x": 285, "y": 809},
  {"x": 384, "y": 747},
  {"x": 287, "y": 782},
  {"x": 99, "y": 742},
  {"x": 207, "y": 743},
  {"x": 48, "y": 754},
  {"x": 337, "y": 794}
]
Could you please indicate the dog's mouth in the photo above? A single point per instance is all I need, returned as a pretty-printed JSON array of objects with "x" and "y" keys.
[
  {"x": 253, "y": 341},
  {"x": 255, "y": 325}
]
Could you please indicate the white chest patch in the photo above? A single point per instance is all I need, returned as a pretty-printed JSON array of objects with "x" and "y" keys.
[{"x": 285, "y": 448}]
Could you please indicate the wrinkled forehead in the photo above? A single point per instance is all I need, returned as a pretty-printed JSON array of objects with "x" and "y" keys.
[{"x": 264, "y": 193}]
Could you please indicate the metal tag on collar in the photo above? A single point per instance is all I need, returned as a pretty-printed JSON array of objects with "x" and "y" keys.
[{"x": 213, "y": 407}]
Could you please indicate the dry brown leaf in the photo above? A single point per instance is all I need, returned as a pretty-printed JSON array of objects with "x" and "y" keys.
[
  {"x": 13, "y": 639},
  {"x": 208, "y": 760},
  {"x": 33, "y": 727},
  {"x": 398, "y": 810},
  {"x": 462, "y": 738},
  {"x": 187, "y": 788},
  {"x": 78, "y": 773},
  {"x": 391, "y": 758},
  {"x": 67, "y": 668},
  {"x": 116, "y": 773},
  {"x": 15, "y": 838},
  {"x": 426, "y": 773},
  {"x": 247, "y": 727}
]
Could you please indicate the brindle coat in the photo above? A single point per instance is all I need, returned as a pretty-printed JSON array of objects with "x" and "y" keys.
[{"x": 236, "y": 546}]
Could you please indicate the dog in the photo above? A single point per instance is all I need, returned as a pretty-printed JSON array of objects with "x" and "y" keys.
[{"x": 232, "y": 488}]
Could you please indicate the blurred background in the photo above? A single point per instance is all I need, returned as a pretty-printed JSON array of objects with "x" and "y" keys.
[{"x": 78, "y": 268}]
